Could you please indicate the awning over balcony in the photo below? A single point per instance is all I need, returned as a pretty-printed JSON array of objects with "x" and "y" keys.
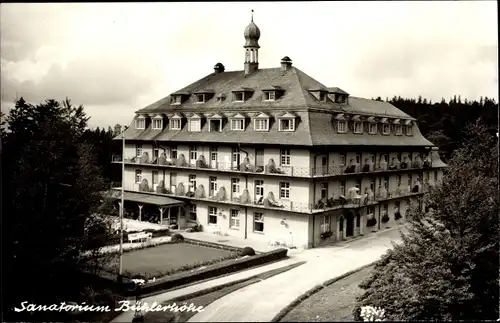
[{"x": 147, "y": 199}]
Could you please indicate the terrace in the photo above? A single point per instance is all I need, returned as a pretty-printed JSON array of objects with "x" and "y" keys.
[
  {"x": 271, "y": 169},
  {"x": 270, "y": 201}
]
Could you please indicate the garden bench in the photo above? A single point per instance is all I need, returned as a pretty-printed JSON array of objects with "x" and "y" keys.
[{"x": 141, "y": 236}]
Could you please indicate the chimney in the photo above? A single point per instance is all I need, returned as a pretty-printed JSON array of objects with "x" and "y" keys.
[
  {"x": 218, "y": 68},
  {"x": 286, "y": 63},
  {"x": 118, "y": 129}
]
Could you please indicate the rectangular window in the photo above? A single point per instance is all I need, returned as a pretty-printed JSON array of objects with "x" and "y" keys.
[
  {"x": 261, "y": 124},
  {"x": 373, "y": 158},
  {"x": 322, "y": 96},
  {"x": 138, "y": 150},
  {"x": 138, "y": 176},
  {"x": 258, "y": 222},
  {"x": 213, "y": 156},
  {"x": 175, "y": 124},
  {"x": 157, "y": 124},
  {"x": 212, "y": 185},
  {"x": 287, "y": 125},
  {"x": 237, "y": 124},
  {"x": 385, "y": 129},
  {"x": 234, "y": 222},
  {"x": 398, "y": 129},
  {"x": 212, "y": 215},
  {"x": 372, "y": 128},
  {"x": 235, "y": 185},
  {"x": 435, "y": 176},
  {"x": 324, "y": 222},
  {"x": 173, "y": 152},
  {"x": 324, "y": 190},
  {"x": 194, "y": 125},
  {"x": 285, "y": 157},
  {"x": 155, "y": 177},
  {"x": 140, "y": 123},
  {"x": 409, "y": 130},
  {"x": 409, "y": 180},
  {"x": 386, "y": 183},
  {"x": 358, "y": 127},
  {"x": 259, "y": 188},
  {"x": 200, "y": 98},
  {"x": 341, "y": 126},
  {"x": 269, "y": 96},
  {"x": 193, "y": 152},
  {"x": 192, "y": 183},
  {"x": 342, "y": 188},
  {"x": 358, "y": 159},
  {"x": 284, "y": 190},
  {"x": 372, "y": 185},
  {"x": 342, "y": 159},
  {"x": 238, "y": 96},
  {"x": 192, "y": 213},
  {"x": 399, "y": 180},
  {"x": 370, "y": 210}
]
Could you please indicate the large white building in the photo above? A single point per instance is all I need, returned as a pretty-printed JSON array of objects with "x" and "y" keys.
[{"x": 272, "y": 154}]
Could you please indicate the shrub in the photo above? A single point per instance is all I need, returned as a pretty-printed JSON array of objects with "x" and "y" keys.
[
  {"x": 248, "y": 251},
  {"x": 371, "y": 222},
  {"x": 177, "y": 238}
]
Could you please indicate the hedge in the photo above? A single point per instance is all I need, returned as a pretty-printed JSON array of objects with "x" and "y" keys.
[
  {"x": 212, "y": 245},
  {"x": 215, "y": 270}
]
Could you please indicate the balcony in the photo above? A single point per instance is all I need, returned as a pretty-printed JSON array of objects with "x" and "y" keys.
[
  {"x": 271, "y": 168},
  {"x": 383, "y": 195},
  {"x": 242, "y": 199}
]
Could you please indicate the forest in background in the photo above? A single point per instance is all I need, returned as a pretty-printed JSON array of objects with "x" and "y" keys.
[{"x": 442, "y": 123}]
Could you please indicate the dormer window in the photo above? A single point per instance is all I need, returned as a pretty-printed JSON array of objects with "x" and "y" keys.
[
  {"x": 237, "y": 124},
  {"x": 338, "y": 95},
  {"x": 385, "y": 129},
  {"x": 239, "y": 96},
  {"x": 341, "y": 126},
  {"x": 358, "y": 127},
  {"x": 322, "y": 96},
  {"x": 408, "y": 127},
  {"x": 261, "y": 125},
  {"x": 215, "y": 123},
  {"x": 287, "y": 125},
  {"x": 220, "y": 98},
  {"x": 339, "y": 98},
  {"x": 177, "y": 99},
  {"x": 157, "y": 123},
  {"x": 140, "y": 122},
  {"x": 372, "y": 128},
  {"x": 286, "y": 122},
  {"x": 398, "y": 130},
  {"x": 269, "y": 96},
  {"x": 194, "y": 124},
  {"x": 200, "y": 98},
  {"x": 176, "y": 122}
]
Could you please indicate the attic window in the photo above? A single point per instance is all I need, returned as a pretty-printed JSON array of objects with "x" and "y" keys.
[
  {"x": 269, "y": 95},
  {"x": 177, "y": 99},
  {"x": 339, "y": 98},
  {"x": 261, "y": 124},
  {"x": 200, "y": 98},
  {"x": 194, "y": 124},
  {"x": 398, "y": 130},
  {"x": 372, "y": 128},
  {"x": 322, "y": 96},
  {"x": 409, "y": 130},
  {"x": 140, "y": 122},
  {"x": 287, "y": 125},
  {"x": 239, "y": 96},
  {"x": 237, "y": 124},
  {"x": 385, "y": 129},
  {"x": 175, "y": 123},
  {"x": 358, "y": 127},
  {"x": 157, "y": 123},
  {"x": 342, "y": 126},
  {"x": 215, "y": 123}
]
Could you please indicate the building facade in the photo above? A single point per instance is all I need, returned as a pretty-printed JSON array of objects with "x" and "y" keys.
[{"x": 274, "y": 155}]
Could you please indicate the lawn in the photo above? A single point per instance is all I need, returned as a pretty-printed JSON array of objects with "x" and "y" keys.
[
  {"x": 332, "y": 303},
  {"x": 167, "y": 257}
]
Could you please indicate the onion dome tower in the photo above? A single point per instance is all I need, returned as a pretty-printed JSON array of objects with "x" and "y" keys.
[{"x": 252, "y": 35}]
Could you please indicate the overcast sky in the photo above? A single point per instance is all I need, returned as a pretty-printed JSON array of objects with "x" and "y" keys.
[{"x": 115, "y": 58}]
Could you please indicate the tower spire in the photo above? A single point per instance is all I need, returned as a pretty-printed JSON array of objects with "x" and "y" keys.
[
  {"x": 252, "y": 15},
  {"x": 252, "y": 35}
]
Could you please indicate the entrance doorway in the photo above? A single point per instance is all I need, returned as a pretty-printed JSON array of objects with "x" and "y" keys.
[{"x": 349, "y": 232}]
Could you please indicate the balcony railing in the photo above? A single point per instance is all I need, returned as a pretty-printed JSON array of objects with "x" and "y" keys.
[
  {"x": 268, "y": 202},
  {"x": 270, "y": 168},
  {"x": 399, "y": 192}
]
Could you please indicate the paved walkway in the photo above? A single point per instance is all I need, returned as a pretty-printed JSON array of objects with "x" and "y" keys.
[
  {"x": 159, "y": 298},
  {"x": 262, "y": 301}
]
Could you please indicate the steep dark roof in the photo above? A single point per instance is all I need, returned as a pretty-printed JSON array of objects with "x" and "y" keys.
[{"x": 313, "y": 125}]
